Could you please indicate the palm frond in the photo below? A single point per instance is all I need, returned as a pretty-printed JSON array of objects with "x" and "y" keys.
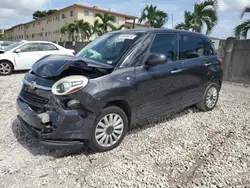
[
  {"x": 153, "y": 17},
  {"x": 242, "y": 29},
  {"x": 246, "y": 10},
  {"x": 181, "y": 26}
]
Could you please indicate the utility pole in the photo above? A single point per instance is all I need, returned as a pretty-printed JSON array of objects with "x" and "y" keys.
[{"x": 172, "y": 21}]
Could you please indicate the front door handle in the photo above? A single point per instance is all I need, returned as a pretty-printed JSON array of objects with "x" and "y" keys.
[
  {"x": 207, "y": 64},
  {"x": 176, "y": 71}
]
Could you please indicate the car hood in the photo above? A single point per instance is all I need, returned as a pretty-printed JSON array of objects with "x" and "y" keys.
[{"x": 54, "y": 65}]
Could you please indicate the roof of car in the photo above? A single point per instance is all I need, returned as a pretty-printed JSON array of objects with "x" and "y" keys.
[
  {"x": 37, "y": 41},
  {"x": 160, "y": 30}
]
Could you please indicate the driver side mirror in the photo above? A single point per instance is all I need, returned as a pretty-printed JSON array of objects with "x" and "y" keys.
[
  {"x": 17, "y": 50},
  {"x": 156, "y": 59}
]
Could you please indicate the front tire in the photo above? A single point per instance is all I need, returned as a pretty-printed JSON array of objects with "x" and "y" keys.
[
  {"x": 210, "y": 98},
  {"x": 109, "y": 129},
  {"x": 6, "y": 68}
]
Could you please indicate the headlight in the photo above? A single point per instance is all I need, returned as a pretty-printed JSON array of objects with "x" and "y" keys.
[{"x": 69, "y": 85}]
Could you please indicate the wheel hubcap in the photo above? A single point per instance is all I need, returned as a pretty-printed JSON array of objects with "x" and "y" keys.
[
  {"x": 211, "y": 98},
  {"x": 109, "y": 130},
  {"x": 4, "y": 68}
]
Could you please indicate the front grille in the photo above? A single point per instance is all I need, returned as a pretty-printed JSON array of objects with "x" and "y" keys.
[{"x": 33, "y": 98}]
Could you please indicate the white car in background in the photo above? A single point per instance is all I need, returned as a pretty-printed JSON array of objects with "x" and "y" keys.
[{"x": 22, "y": 55}]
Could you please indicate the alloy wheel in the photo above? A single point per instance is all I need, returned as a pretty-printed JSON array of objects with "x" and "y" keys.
[
  {"x": 109, "y": 130},
  {"x": 212, "y": 96},
  {"x": 5, "y": 68}
]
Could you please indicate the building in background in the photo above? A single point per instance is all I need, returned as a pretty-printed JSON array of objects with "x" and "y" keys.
[
  {"x": 1, "y": 33},
  {"x": 48, "y": 28}
]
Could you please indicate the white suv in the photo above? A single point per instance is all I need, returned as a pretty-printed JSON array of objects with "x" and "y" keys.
[{"x": 22, "y": 55}]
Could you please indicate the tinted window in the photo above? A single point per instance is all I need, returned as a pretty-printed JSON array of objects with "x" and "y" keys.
[
  {"x": 191, "y": 47},
  {"x": 165, "y": 44},
  {"x": 30, "y": 47},
  {"x": 47, "y": 47}
]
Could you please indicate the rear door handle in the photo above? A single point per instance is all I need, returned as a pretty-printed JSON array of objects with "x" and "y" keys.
[{"x": 176, "y": 71}]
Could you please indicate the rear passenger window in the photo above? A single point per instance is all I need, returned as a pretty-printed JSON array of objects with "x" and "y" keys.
[
  {"x": 165, "y": 44},
  {"x": 191, "y": 47},
  {"x": 47, "y": 47}
]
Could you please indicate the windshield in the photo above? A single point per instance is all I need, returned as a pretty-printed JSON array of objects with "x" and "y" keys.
[
  {"x": 11, "y": 46},
  {"x": 108, "y": 48}
]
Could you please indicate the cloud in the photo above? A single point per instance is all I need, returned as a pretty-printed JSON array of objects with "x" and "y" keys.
[
  {"x": 23, "y": 5},
  {"x": 225, "y": 5},
  {"x": 15, "y": 12}
]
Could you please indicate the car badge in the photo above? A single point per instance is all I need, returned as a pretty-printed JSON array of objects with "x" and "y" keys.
[{"x": 33, "y": 85}]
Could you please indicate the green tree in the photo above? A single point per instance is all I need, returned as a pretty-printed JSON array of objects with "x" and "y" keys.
[
  {"x": 153, "y": 17},
  {"x": 186, "y": 25},
  {"x": 51, "y": 11},
  {"x": 84, "y": 28},
  {"x": 40, "y": 14},
  {"x": 119, "y": 28},
  {"x": 107, "y": 22},
  {"x": 72, "y": 30},
  {"x": 96, "y": 28},
  {"x": 204, "y": 14},
  {"x": 64, "y": 30},
  {"x": 242, "y": 29},
  {"x": 1, "y": 37}
]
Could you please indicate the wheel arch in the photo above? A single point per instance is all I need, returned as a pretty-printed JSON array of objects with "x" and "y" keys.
[
  {"x": 4, "y": 60},
  {"x": 124, "y": 105}
]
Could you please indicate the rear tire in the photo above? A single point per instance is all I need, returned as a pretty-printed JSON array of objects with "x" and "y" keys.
[
  {"x": 210, "y": 98},
  {"x": 6, "y": 68},
  {"x": 109, "y": 129}
]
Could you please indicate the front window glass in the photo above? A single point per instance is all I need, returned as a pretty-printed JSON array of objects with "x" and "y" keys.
[
  {"x": 165, "y": 44},
  {"x": 11, "y": 46},
  {"x": 32, "y": 47},
  {"x": 109, "y": 48}
]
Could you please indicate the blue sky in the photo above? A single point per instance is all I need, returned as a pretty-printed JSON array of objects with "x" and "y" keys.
[{"x": 20, "y": 11}]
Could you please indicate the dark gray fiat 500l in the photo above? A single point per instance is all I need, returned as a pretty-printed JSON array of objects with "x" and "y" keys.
[{"x": 122, "y": 78}]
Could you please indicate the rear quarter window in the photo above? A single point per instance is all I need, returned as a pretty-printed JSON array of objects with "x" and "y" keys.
[{"x": 47, "y": 47}]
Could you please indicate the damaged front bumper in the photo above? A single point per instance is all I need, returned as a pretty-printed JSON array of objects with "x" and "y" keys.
[{"x": 56, "y": 127}]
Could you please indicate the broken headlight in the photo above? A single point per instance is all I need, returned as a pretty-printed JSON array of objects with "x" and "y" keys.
[{"x": 69, "y": 85}]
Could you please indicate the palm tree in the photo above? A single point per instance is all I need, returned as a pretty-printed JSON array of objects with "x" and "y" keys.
[
  {"x": 186, "y": 25},
  {"x": 119, "y": 28},
  {"x": 242, "y": 29},
  {"x": 153, "y": 17},
  {"x": 72, "y": 29},
  {"x": 84, "y": 29},
  {"x": 205, "y": 13},
  {"x": 64, "y": 30},
  {"x": 96, "y": 30},
  {"x": 107, "y": 21}
]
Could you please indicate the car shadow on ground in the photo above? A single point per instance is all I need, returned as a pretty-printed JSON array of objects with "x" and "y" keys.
[
  {"x": 20, "y": 72},
  {"x": 35, "y": 148}
]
